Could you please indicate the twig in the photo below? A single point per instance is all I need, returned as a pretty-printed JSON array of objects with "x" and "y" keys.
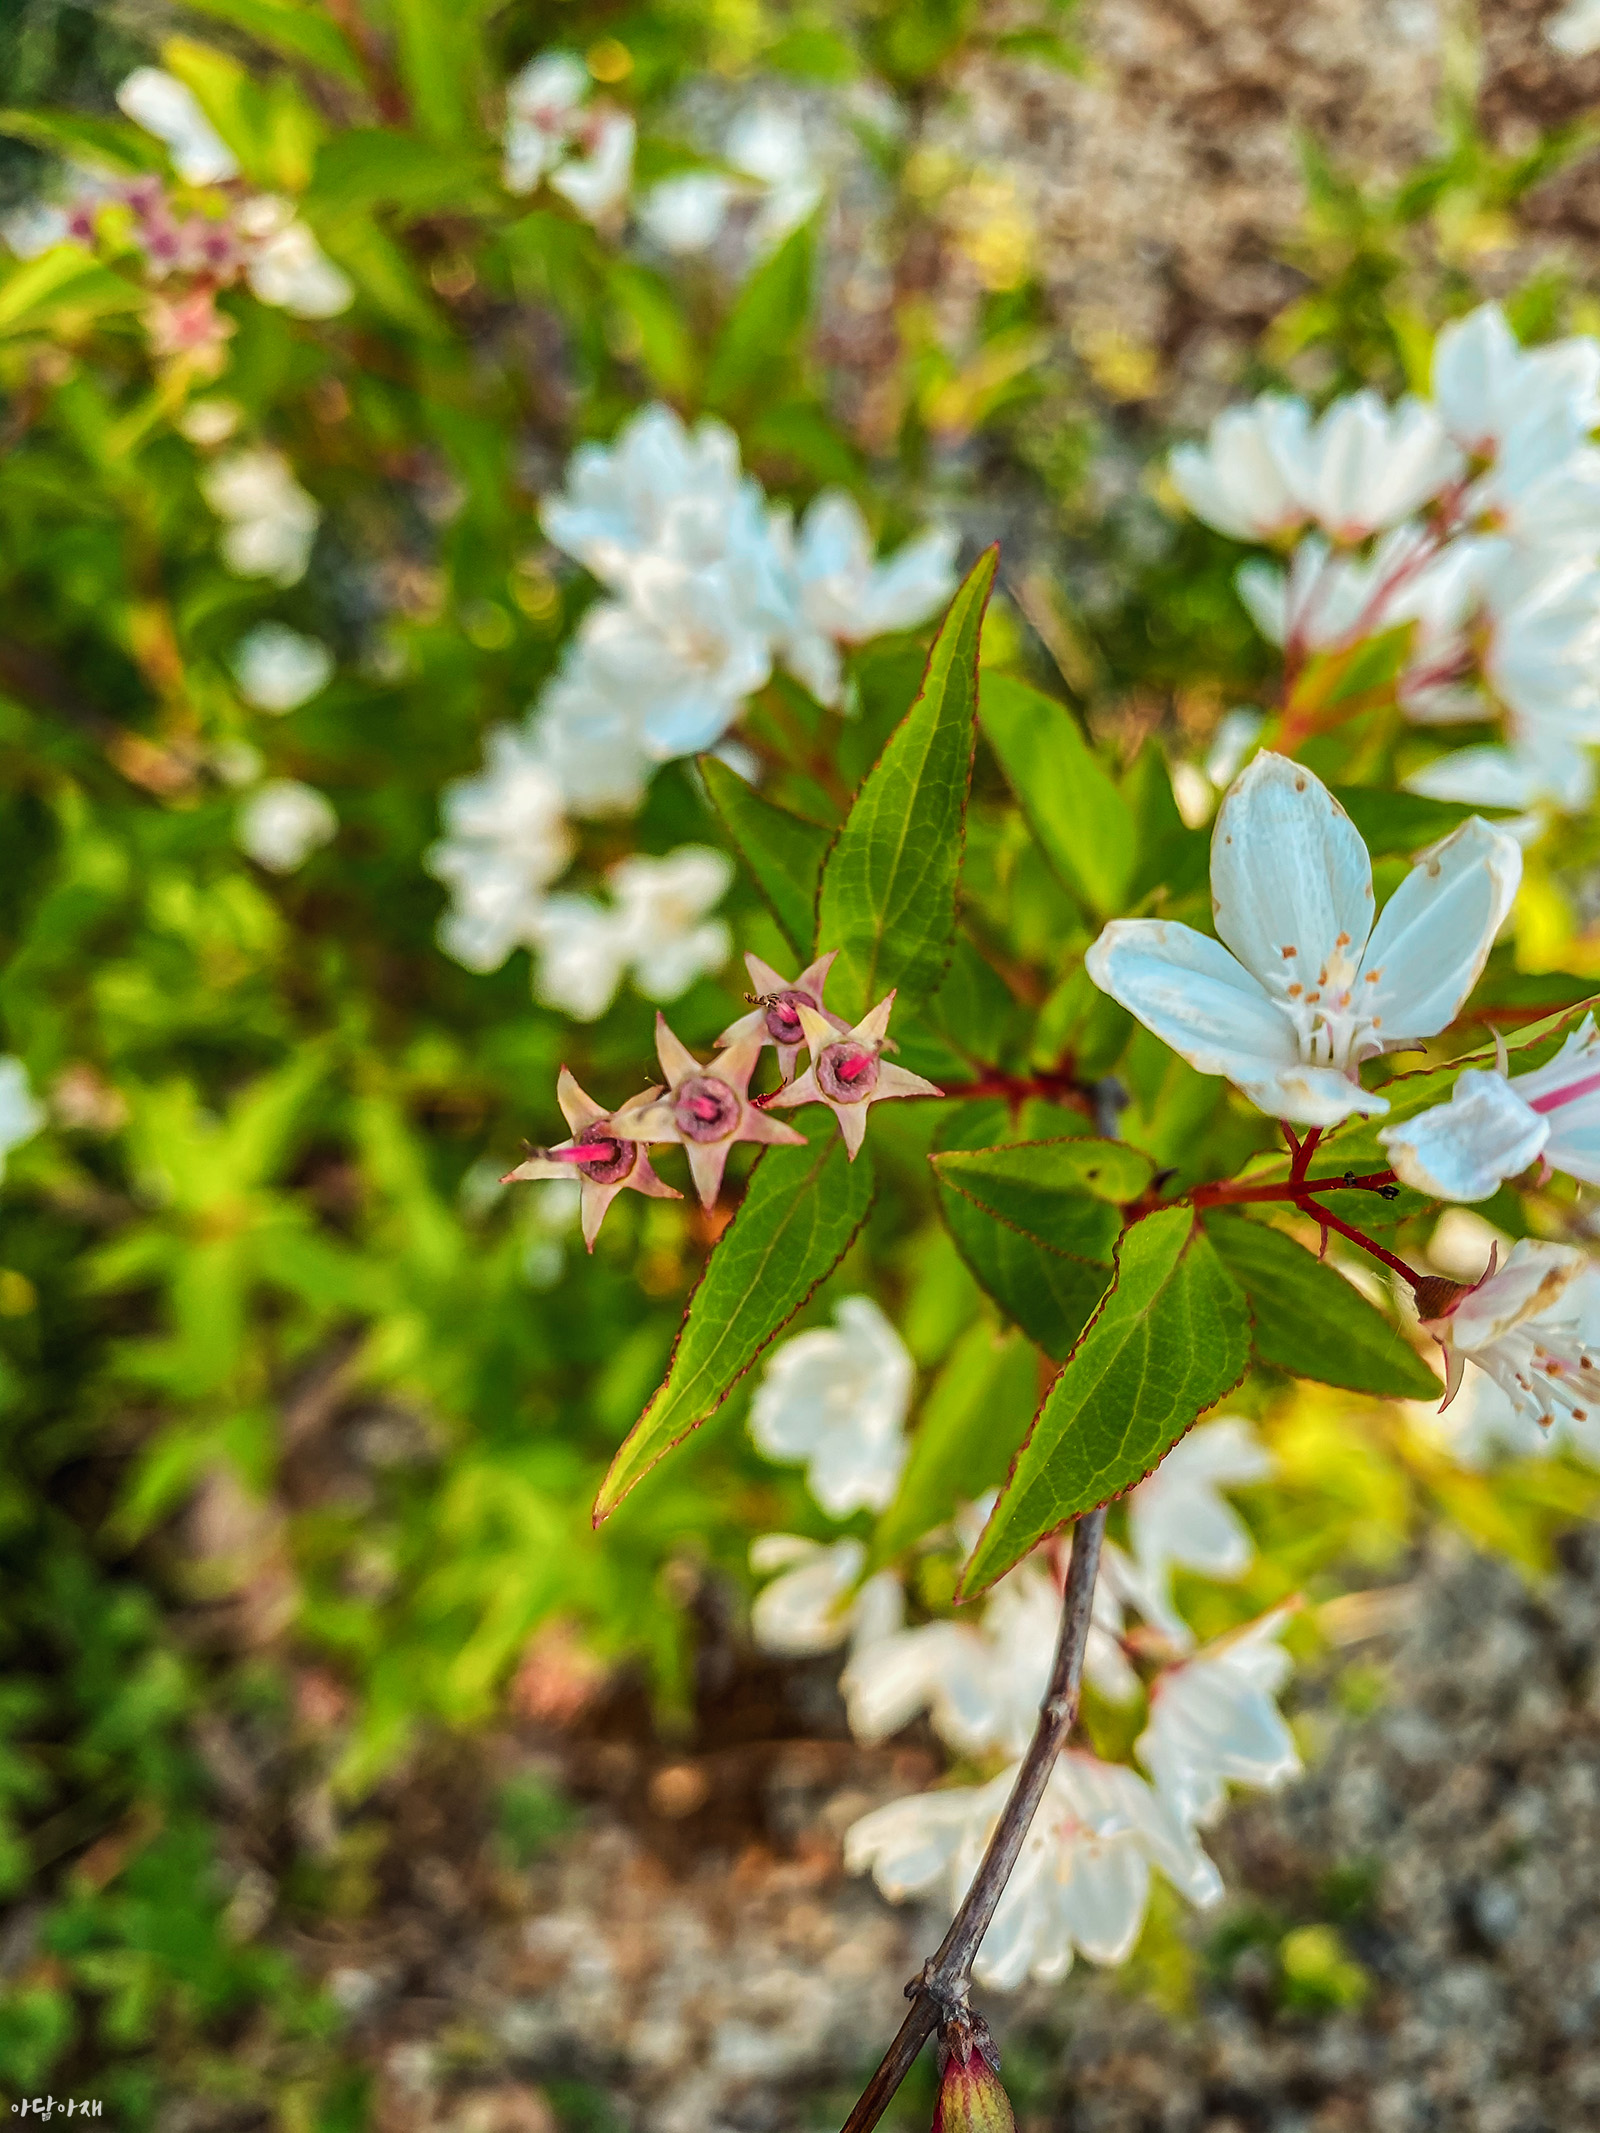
[{"x": 940, "y": 1989}]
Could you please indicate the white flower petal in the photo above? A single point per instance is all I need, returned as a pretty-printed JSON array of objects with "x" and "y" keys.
[
  {"x": 1466, "y": 1148},
  {"x": 1433, "y": 936},
  {"x": 1194, "y": 995},
  {"x": 1291, "y": 883}
]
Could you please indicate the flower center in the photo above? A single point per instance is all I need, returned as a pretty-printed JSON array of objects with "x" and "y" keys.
[
  {"x": 705, "y": 1109},
  {"x": 848, "y": 1073},
  {"x": 1332, "y": 1020},
  {"x": 783, "y": 1015},
  {"x": 612, "y": 1159}
]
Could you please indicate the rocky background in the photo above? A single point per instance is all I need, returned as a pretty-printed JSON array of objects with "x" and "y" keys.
[{"x": 1410, "y": 1942}]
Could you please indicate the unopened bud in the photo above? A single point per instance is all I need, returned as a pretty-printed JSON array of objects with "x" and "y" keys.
[{"x": 971, "y": 2097}]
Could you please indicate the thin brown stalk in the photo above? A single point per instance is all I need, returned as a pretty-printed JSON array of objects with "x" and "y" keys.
[{"x": 940, "y": 1989}]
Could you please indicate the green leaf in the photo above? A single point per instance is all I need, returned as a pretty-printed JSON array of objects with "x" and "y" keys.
[
  {"x": 783, "y": 852},
  {"x": 1049, "y": 1294},
  {"x": 1073, "y": 807},
  {"x": 440, "y": 46},
  {"x": 888, "y": 896},
  {"x": 764, "y": 329},
  {"x": 971, "y": 1424},
  {"x": 116, "y": 145},
  {"x": 654, "y": 317},
  {"x": 61, "y": 289},
  {"x": 1066, "y": 1195},
  {"x": 291, "y": 27},
  {"x": 1171, "y": 1336},
  {"x": 373, "y": 166},
  {"x": 1312, "y": 1321},
  {"x": 799, "y": 1216},
  {"x": 1402, "y": 821}
]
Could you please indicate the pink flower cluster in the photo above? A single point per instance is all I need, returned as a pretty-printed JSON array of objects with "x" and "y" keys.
[{"x": 706, "y": 1108}]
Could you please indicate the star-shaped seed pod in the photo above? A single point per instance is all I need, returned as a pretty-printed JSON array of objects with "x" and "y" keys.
[
  {"x": 849, "y": 1073},
  {"x": 706, "y": 1108},
  {"x": 775, "y": 1018},
  {"x": 616, "y": 1160}
]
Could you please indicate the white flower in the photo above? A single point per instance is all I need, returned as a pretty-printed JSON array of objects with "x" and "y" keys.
[
  {"x": 1177, "y": 1517},
  {"x": 1363, "y": 467},
  {"x": 617, "y": 497},
  {"x": 596, "y": 183},
  {"x": 1311, "y": 988},
  {"x": 1213, "y": 1719},
  {"x": 1481, "y": 1426},
  {"x": 1531, "y": 1326},
  {"x": 211, "y": 421},
  {"x": 1496, "y": 397},
  {"x": 586, "y": 722},
  {"x": 685, "y": 213},
  {"x": 1082, "y": 1881},
  {"x": 1495, "y": 1125},
  {"x": 165, "y": 107},
  {"x": 655, "y": 928},
  {"x": 1576, "y": 29},
  {"x": 1316, "y": 602},
  {"x": 282, "y": 823},
  {"x": 698, "y": 649},
  {"x": 814, "y": 1604},
  {"x": 21, "y": 1113},
  {"x": 506, "y": 838},
  {"x": 836, "y": 1399},
  {"x": 661, "y": 906},
  {"x": 1544, "y": 643},
  {"x": 289, "y": 270},
  {"x": 35, "y": 228},
  {"x": 1543, "y": 773},
  {"x": 271, "y": 521},
  {"x": 278, "y": 670},
  {"x": 845, "y": 597},
  {"x": 768, "y": 144},
  {"x": 543, "y": 106},
  {"x": 1238, "y": 480},
  {"x": 982, "y": 1682}
]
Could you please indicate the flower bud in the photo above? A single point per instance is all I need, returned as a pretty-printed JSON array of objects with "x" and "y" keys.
[{"x": 971, "y": 2098}]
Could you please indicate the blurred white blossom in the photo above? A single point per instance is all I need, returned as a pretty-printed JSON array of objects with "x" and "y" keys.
[
  {"x": 169, "y": 109},
  {"x": 270, "y": 522},
  {"x": 836, "y": 1398},
  {"x": 1576, "y": 29},
  {"x": 1177, "y": 1516},
  {"x": 654, "y": 929},
  {"x": 283, "y": 822},
  {"x": 555, "y": 135},
  {"x": 278, "y": 669},
  {"x": 1081, "y": 1884},
  {"x": 286, "y": 267},
  {"x": 1213, "y": 1720},
  {"x": 981, "y": 1680},
  {"x": 506, "y": 839},
  {"x": 814, "y": 1602},
  {"x": 1474, "y": 517},
  {"x": 21, "y": 1113}
]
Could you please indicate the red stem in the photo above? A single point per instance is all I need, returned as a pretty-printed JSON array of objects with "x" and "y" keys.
[
  {"x": 1355, "y": 1236},
  {"x": 1292, "y": 1189}
]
